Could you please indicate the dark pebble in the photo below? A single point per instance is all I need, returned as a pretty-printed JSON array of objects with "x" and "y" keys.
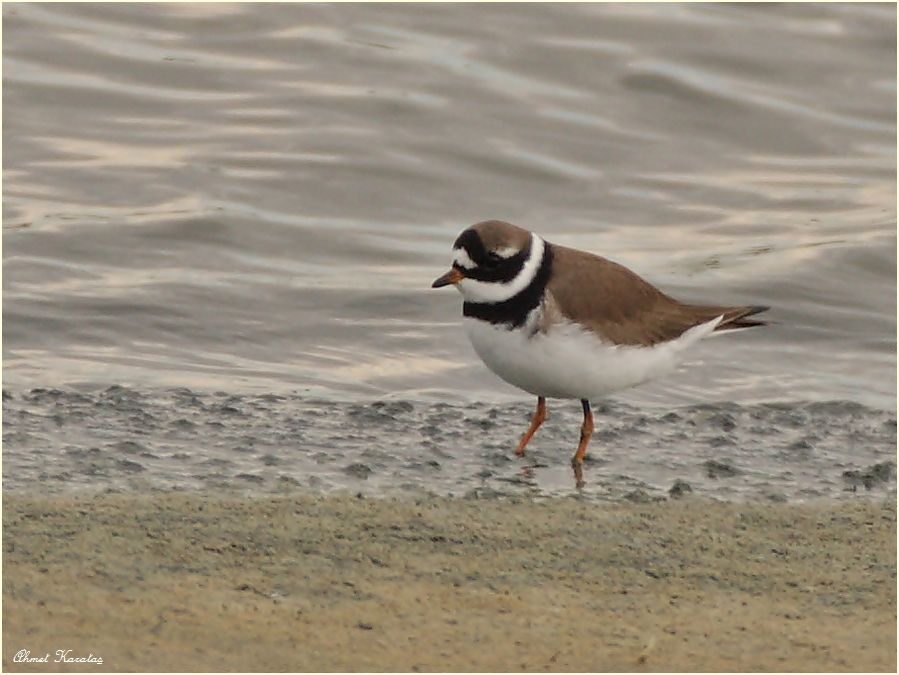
[
  {"x": 874, "y": 475},
  {"x": 639, "y": 496},
  {"x": 128, "y": 465},
  {"x": 358, "y": 470},
  {"x": 249, "y": 477},
  {"x": 679, "y": 489},
  {"x": 716, "y": 469}
]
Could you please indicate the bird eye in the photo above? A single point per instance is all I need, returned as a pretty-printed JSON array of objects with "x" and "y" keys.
[{"x": 492, "y": 259}]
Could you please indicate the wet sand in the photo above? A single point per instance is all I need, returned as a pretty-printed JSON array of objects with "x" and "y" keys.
[{"x": 174, "y": 582}]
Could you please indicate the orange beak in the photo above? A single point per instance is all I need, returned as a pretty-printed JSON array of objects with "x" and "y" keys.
[{"x": 454, "y": 276}]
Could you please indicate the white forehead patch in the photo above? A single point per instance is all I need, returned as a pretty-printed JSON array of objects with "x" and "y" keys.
[
  {"x": 462, "y": 260},
  {"x": 506, "y": 252}
]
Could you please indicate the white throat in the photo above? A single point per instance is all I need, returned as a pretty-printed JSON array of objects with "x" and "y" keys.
[{"x": 495, "y": 291}]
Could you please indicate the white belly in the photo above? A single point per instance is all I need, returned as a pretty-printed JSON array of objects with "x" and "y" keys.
[{"x": 570, "y": 362}]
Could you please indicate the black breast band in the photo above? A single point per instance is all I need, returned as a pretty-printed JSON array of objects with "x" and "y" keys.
[{"x": 514, "y": 311}]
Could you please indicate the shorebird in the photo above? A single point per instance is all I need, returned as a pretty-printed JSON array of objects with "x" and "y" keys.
[{"x": 558, "y": 322}]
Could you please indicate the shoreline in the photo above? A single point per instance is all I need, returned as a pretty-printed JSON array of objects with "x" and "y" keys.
[{"x": 174, "y": 581}]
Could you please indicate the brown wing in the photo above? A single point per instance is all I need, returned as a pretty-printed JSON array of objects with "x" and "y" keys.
[{"x": 622, "y": 307}]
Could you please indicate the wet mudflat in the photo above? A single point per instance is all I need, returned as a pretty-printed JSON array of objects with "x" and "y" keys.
[
  {"x": 124, "y": 439},
  {"x": 173, "y": 582}
]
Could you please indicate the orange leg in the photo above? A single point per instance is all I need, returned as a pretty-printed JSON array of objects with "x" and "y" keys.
[
  {"x": 539, "y": 417},
  {"x": 586, "y": 432}
]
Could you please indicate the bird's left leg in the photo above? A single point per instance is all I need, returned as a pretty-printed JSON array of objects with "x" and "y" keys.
[{"x": 586, "y": 432}]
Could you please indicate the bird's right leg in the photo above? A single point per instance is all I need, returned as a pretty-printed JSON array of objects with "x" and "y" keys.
[{"x": 539, "y": 417}]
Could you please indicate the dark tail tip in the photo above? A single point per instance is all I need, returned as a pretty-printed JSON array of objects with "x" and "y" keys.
[
  {"x": 756, "y": 309},
  {"x": 743, "y": 321}
]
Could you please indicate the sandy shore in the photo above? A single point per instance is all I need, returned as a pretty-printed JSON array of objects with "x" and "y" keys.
[{"x": 169, "y": 582}]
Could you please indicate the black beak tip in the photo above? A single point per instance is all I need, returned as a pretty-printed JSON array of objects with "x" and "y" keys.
[{"x": 444, "y": 280}]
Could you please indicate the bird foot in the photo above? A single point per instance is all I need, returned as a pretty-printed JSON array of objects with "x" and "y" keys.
[{"x": 578, "y": 467}]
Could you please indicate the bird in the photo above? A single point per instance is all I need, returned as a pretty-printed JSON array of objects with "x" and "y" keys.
[{"x": 558, "y": 322}]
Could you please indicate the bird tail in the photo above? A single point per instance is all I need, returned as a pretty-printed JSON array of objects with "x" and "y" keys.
[{"x": 738, "y": 317}]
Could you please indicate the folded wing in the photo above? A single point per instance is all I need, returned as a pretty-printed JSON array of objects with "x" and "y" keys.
[{"x": 623, "y": 308}]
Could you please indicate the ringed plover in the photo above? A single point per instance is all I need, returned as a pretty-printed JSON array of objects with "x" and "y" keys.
[{"x": 562, "y": 323}]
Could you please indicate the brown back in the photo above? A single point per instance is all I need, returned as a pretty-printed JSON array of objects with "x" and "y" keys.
[{"x": 622, "y": 307}]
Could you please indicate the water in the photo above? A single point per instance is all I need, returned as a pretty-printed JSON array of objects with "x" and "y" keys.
[{"x": 253, "y": 199}]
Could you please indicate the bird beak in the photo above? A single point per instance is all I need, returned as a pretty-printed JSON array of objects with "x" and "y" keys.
[{"x": 454, "y": 276}]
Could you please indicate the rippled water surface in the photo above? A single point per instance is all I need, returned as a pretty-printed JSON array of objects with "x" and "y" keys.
[{"x": 221, "y": 222}]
